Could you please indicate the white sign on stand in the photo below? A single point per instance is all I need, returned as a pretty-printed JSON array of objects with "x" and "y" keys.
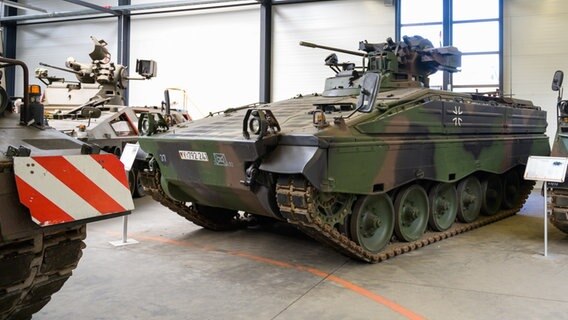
[
  {"x": 129, "y": 155},
  {"x": 127, "y": 158},
  {"x": 546, "y": 169}
]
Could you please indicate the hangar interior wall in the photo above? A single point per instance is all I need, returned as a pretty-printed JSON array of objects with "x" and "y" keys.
[
  {"x": 214, "y": 54},
  {"x": 535, "y": 47},
  {"x": 53, "y": 43},
  {"x": 341, "y": 24}
]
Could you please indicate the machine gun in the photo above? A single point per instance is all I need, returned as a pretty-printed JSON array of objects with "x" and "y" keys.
[
  {"x": 111, "y": 78},
  {"x": 401, "y": 64}
]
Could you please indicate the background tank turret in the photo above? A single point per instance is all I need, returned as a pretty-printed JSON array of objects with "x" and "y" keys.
[
  {"x": 93, "y": 109},
  {"x": 377, "y": 165},
  {"x": 102, "y": 75}
]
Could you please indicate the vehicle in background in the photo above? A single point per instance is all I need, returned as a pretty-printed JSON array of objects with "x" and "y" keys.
[
  {"x": 559, "y": 191},
  {"x": 92, "y": 108},
  {"x": 52, "y": 185}
]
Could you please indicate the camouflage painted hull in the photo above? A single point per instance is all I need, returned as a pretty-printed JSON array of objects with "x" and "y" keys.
[
  {"x": 437, "y": 141},
  {"x": 376, "y": 166}
]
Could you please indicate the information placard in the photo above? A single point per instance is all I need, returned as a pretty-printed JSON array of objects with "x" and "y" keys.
[
  {"x": 129, "y": 155},
  {"x": 550, "y": 169}
]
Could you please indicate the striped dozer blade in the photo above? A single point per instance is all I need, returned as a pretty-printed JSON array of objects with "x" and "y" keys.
[{"x": 61, "y": 189}]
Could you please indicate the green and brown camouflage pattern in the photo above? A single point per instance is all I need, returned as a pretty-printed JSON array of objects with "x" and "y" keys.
[
  {"x": 421, "y": 134},
  {"x": 412, "y": 135}
]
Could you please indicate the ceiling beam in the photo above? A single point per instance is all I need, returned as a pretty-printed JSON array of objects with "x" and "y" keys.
[
  {"x": 179, "y": 3},
  {"x": 93, "y": 6},
  {"x": 128, "y": 9},
  {"x": 21, "y": 6}
]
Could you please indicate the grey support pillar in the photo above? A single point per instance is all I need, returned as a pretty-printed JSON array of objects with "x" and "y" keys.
[
  {"x": 124, "y": 39},
  {"x": 265, "y": 51},
  {"x": 9, "y": 46}
]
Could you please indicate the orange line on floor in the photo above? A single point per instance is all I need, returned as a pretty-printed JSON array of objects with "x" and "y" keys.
[{"x": 319, "y": 273}]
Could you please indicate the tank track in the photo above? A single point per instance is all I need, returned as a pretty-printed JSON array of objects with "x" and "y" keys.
[
  {"x": 151, "y": 183},
  {"x": 32, "y": 269},
  {"x": 559, "y": 212},
  {"x": 295, "y": 199}
]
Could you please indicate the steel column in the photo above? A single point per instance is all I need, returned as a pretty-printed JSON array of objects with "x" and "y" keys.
[
  {"x": 447, "y": 28},
  {"x": 124, "y": 40},
  {"x": 397, "y": 34},
  {"x": 501, "y": 60},
  {"x": 265, "y": 51},
  {"x": 9, "y": 47}
]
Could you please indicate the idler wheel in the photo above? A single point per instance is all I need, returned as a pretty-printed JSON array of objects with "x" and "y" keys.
[
  {"x": 139, "y": 191},
  {"x": 372, "y": 222},
  {"x": 443, "y": 206},
  {"x": 511, "y": 189},
  {"x": 411, "y": 207},
  {"x": 469, "y": 199},
  {"x": 492, "y": 189}
]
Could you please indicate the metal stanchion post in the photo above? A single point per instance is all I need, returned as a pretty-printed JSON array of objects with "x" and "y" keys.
[
  {"x": 125, "y": 241},
  {"x": 545, "y": 221},
  {"x": 124, "y": 229}
]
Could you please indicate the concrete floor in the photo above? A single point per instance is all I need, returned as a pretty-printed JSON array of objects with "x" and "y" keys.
[{"x": 180, "y": 271}]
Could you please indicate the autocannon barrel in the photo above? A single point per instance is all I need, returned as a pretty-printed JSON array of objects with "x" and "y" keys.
[
  {"x": 59, "y": 68},
  {"x": 313, "y": 45}
]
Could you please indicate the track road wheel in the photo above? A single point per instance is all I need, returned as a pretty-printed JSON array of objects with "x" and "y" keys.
[
  {"x": 469, "y": 199},
  {"x": 411, "y": 207},
  {"x": 511, "y": 189},
  {"x": 561, "y": 225},
  {"x": 372, "y": 222},
  {"x": 138, "y": 188},
  {"x": 443, "y": 206},
  {"x": 492, "y": 190}
]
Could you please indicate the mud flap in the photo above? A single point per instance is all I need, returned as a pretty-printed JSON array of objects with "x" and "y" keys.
[{"x": 306, "y": 160}]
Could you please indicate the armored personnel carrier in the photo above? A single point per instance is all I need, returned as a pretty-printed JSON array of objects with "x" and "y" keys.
[
  {"x": 559, "y": 191},
  {"x": 52, "y": 185},
  {"x": 92, "y": 108},
  {"x": 377, "y": 165}
]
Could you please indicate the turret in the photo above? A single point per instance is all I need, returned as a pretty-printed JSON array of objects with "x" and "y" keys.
[
  {"x": 409, "y": 62},
  {"x": 112, "y": 78},
  {"x": 404, "y": 64}
]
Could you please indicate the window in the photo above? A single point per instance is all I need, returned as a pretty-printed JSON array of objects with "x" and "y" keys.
[
  {"x": 122, "y": 126},
  {"x": 474, "y": 27}
]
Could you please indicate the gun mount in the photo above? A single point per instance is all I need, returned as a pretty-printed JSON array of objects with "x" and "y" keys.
[
  {"x": 110, "y": 78},
  {"x": 400, "y": 64}
]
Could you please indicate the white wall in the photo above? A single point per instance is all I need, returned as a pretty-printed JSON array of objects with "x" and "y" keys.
[
  {"x": 53, "y": 43},
  {"x": 213, "y": 55},
  {"x": 534, "y": 47},
  {"x": 341, "y": 24}
]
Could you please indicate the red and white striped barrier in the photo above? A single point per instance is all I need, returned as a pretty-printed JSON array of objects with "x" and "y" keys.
[{"x": 60, "y": 189}]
